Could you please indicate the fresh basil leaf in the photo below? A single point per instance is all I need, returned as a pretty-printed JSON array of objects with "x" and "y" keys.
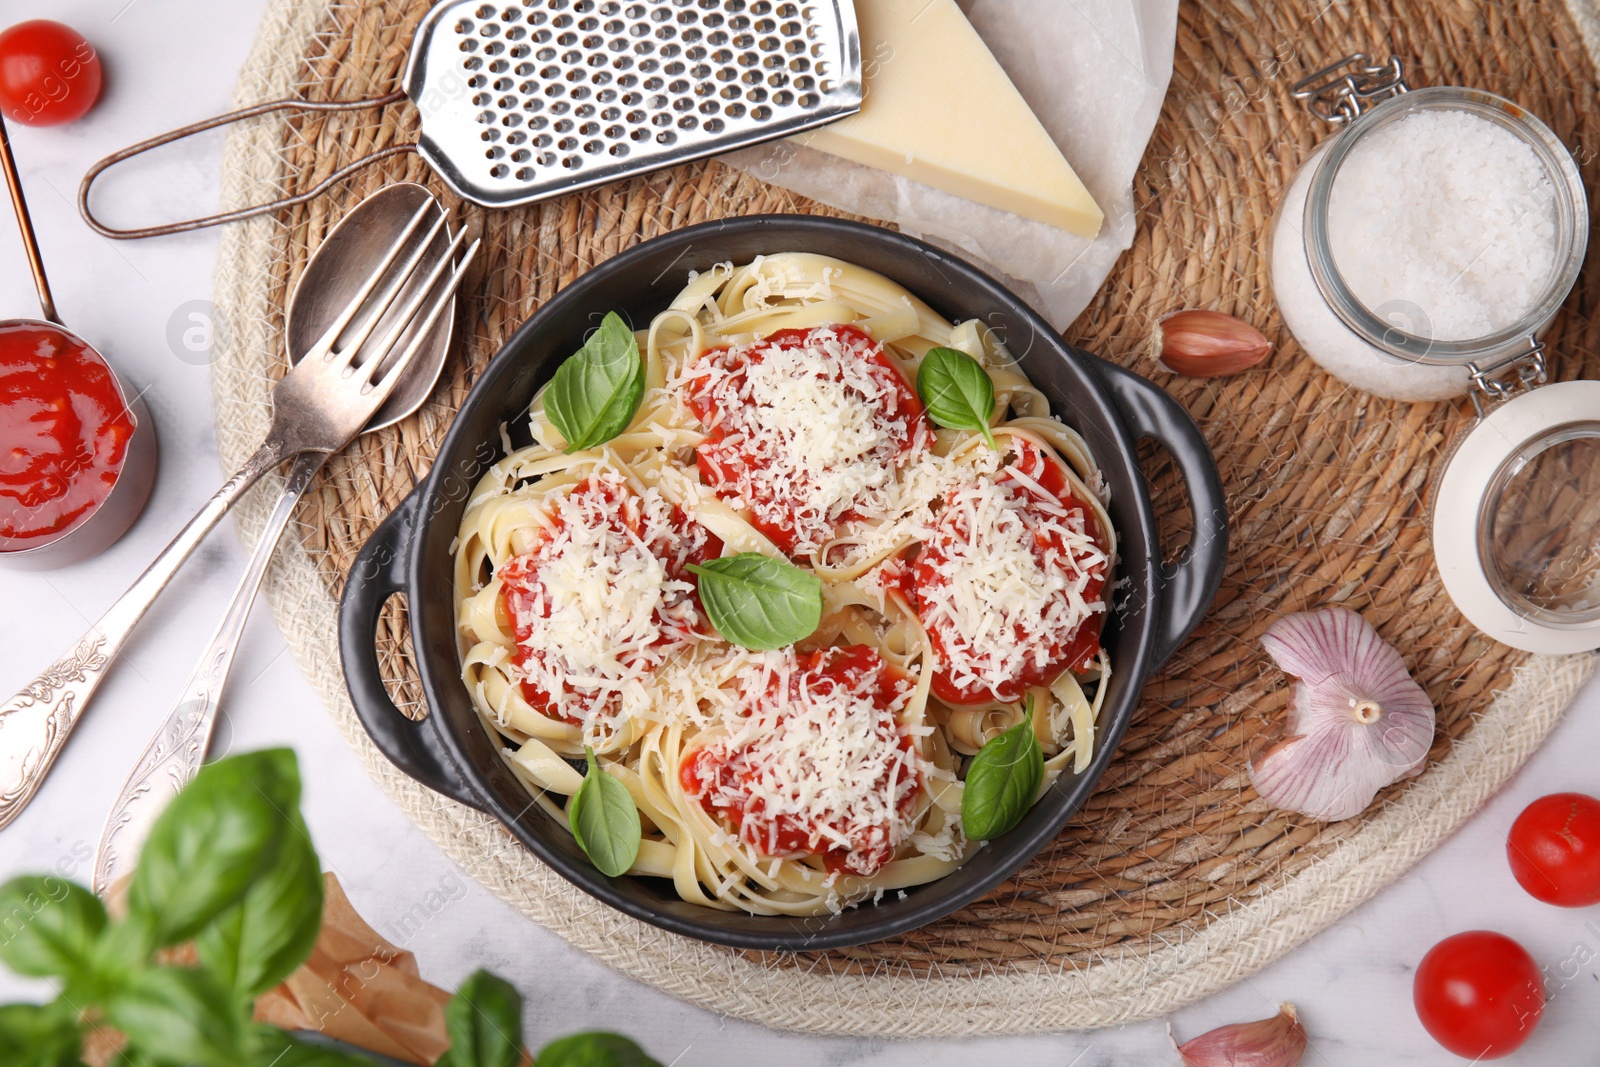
[
  {"x": 206, "y": 850},
  {"x": 40, "y": 1035},
  {"x": 605, "y": 821},
  {"x": 484, "y": 1021},
  {"x": 255, "y": 944},
  {"x": 593, "y": 1049},
  {"x": 1002, "y": 782},
  {"x": 759, "y": 602},
  {"x": 181, "y": 1015},
  {"x": 48, "y": 927},
  {"x": 957, "y": 391},
  {"x": 597, "y": 389},
  {"x": 275, "y": 1048}
]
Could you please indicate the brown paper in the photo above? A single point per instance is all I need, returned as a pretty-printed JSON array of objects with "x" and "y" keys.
[{"x": 357, "y": 988}]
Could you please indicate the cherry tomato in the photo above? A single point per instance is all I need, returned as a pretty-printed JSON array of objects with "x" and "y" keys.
[
  {"x": 1554, "y": 849},
  {"x": 48, "y": 73},
  {"x": 1479, "y": 994}
]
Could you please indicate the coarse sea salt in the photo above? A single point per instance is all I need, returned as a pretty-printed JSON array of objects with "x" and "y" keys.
[{"x": 1444, "y": 221}]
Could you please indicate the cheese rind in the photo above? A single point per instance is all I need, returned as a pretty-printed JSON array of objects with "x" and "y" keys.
[{"x": 940, "y": 110}]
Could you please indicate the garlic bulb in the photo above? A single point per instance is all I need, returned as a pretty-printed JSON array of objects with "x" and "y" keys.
[
  {"x": 1276, "y": 1042},
  {"x": 1357, "y": 721}
]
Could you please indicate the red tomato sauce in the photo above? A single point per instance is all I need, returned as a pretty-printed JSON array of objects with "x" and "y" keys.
[
  {"x": 1075, "y": 649},
  {"x": 722, "y": 780},
  {"x": 64, "y": 431},
  {"x": 679, "y": 615},
  {"x": 730, "y": 467}
]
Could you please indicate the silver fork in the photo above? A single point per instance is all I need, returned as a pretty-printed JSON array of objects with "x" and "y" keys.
[{"x": 318, "y": 407}]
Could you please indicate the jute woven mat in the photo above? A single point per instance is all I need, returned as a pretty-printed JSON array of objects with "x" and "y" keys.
[{"x": 1176, "y": 879}]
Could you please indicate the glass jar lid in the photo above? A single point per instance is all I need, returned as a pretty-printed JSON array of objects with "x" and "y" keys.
[
  {"x": 1390, "y": 329},
  {"x": 1516, "y": 521}
]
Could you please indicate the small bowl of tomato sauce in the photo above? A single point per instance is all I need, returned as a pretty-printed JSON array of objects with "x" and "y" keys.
[{"x": 77, "y": 454}]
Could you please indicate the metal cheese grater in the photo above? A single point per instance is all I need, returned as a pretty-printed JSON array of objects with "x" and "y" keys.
[{"x": 524, "y": 100}]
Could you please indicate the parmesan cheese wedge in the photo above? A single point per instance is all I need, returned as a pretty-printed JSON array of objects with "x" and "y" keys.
[{"x": 940, "y": 110}]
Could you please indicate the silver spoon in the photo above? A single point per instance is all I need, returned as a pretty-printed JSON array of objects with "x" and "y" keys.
[
  {"x": 324, "y": 401},
  {"x": 329, "y": 282}
]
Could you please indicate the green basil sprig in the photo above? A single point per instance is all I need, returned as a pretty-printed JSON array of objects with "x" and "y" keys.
[
  {"x": 593, "y": 1049},
  {"x": 759, "y": 602},
  {"x": 257, "y": 943},
  {"x": 484, "y": 1021},
  {"x": 595, "y": 392},
  {"x": 230, "y": 864},
  {"x": 605, "y": 821},
  {"x": 957, "y": 391},
  {"x": 1002, "y": 781}
]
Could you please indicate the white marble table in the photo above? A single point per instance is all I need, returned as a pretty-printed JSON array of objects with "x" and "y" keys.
[{"x": 172, "y": 61}]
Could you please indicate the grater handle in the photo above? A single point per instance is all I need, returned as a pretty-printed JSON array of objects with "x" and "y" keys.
[{"x": 224, "y": 120}]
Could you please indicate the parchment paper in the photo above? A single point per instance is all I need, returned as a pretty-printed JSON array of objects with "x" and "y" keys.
[{"x": 1095, "y": 73}]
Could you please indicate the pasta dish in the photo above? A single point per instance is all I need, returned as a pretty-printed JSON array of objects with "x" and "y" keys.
[{"x": 790, "y": 597}]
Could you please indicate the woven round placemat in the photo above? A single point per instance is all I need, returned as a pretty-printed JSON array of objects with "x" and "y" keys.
[{"x": 1175, "y": 879}]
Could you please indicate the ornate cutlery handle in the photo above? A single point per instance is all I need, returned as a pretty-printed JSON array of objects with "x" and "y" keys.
[
  {"x": 35, "y": 723},
  {"x": 179, "y": 747}
]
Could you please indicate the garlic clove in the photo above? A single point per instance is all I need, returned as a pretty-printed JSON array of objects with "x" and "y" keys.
[
  {"x": 1208, "y": 344},
  {"x": 1276, "y": 1042},
  {"x": 1357, "y": 720}
]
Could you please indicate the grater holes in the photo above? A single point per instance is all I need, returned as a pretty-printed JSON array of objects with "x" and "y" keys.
[
  {"x": 783, "y": 98},
  {"x": 495, "y": 153},
  {"x": 761, "y": 114},
  {"x": 490, "y": 134},
  {"x": 619, "y": 150},
  {"x": 510, "y": 14},
  {"x": 481, "y": 100},
  {"x": 516, "y": 137},
  {"x": 469, "y": 45},
  {"x": 666, "y": 137},
  {"x": 499, "y": 170},
  {"x": 524, "y": 174},
  {"x": 485, "y": 11},
  {"x": 572, "y": 162}
]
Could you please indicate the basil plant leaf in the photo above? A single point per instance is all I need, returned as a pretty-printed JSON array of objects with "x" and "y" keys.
[
  {"x": 605, "y": 821},
  {"x": 484, "y": 1021},
  {"x": 49, "y": 926},
  {"x": 181, "y": 1015},
  {"x": 255, "y": 944},
  {"x": 596, "y": 390},
  {"x": 759, "y": 602},
  {"x": 206, "y": 850},
  {"x": 593, "y": 1049},
  {"x": 957, "y": 391},
  {"x": 39, "y": 1035},
  {"x": 1002, "y": 782}
]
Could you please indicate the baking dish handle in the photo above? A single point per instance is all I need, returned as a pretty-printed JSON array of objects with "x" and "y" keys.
[
  {"x": 1187, "y": 586},
  {"x": 378, "y": 573}
]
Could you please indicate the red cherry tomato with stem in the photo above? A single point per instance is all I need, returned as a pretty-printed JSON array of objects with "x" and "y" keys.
[
  {"x": 1554, "y": 849},
  {"x": 1479, "y": 994},
  {"x": 49, "y": 74}
]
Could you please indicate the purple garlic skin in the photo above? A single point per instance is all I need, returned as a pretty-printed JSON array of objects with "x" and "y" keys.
[
  {"x": 1276, "y": 1042},
  {"x": 1357, "y": 720}
]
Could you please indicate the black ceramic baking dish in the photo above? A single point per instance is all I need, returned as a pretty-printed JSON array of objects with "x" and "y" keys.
[{"x": 450, "y": 751}]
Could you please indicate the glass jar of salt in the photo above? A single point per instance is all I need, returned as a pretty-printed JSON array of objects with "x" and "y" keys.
[
  {"x": 1424, "y": 250},
  {"x": 1420, "y": 255}
]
